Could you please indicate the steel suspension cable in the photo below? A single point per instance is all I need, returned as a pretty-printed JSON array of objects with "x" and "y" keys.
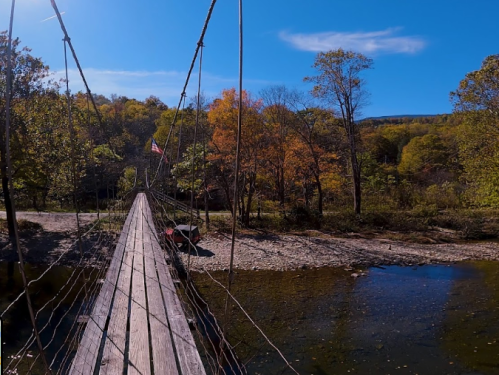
[
  {"x": 11, "y": 185},
  {"x": 238, "y": 145},
  {"x": 172, "y": 249},
  {"x": 229, "y": 294},
  {"x": 73, "y": 141},
  {"x": 68, "y": 39},
  {"x": 93, "y": 163},
  {"x": 194, "y": 156},
  {"x": 198, "y": 46},
  {"x": 236, "y": 173},
  {"x": 178, "y": 152}
]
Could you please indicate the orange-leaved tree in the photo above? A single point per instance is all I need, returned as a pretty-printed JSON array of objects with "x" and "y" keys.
[{"x": 222, "y": 118}]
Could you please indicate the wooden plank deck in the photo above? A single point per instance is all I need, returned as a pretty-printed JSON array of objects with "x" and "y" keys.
[{"x": 137, "y": 325}]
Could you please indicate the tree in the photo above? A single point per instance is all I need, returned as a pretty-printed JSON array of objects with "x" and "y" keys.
[
  {"x": 222, "y": 118},
  {"x": 339, "y": 84},
  {"x": 277, "y": 124},
  {"x": 422, "y": 156},
  {"x": 28, "y": 77},
  {"x": 313, "y": 130},
  {"x": 476, "y": 100},
  {"x": 183, "y": 170}
]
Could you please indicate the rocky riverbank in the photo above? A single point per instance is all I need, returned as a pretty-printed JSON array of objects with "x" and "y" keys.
[
  {"x": 285, "y": 252},
  {"x": 254, "y": 250}
]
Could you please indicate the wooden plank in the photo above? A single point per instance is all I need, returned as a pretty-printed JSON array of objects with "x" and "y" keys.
[
  {"x": 145, "y": 272},
  {"x": 187, "y": 353},
  {"x": 114, "y": 347},
  {"x": 139, "y": 359},
  {"x": 163, "y": 354},
  {"x": 88, "y": 349}
]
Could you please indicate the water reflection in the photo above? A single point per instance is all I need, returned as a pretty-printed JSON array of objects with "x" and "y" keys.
[{"x": 422, "y": 320}]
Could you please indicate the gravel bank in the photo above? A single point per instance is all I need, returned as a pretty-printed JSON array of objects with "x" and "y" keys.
[
  {"x": 252, "y": 251},
  {"x": 286, "y": 252}
]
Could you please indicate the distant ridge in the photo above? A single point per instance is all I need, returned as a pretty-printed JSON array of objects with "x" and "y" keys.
[{"x": 399, "y": 117}]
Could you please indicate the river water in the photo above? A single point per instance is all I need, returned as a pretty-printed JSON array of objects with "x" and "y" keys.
[
  {"x": 62, "y": 293},
  {"x": 397, "y": 320},
  {"x": 435, "y": 319}
]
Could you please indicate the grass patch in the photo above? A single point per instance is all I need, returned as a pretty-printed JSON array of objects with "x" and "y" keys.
[{"x": 422, "y": 224}]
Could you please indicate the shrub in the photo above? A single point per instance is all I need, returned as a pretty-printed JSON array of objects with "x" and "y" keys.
[
  {"x": 425, "y": 211},
  {"x": 221, "y": 223}
]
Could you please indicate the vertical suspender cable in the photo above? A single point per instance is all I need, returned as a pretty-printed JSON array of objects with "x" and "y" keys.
[
  {"x": 72, "y": 139},
  {"x": 200, "y": 43},
  {"x": 205, "y": 186},
  {"x": 236, "y": 175},
  {"x": 198, "y": 109},
  {"x": 93, "y": 163},
  {"x": 11, "y": 187},
  {"x": 178, "y": 155},
  {"x": 73, "y": 163},
  {"x": 238, "y": 146}
]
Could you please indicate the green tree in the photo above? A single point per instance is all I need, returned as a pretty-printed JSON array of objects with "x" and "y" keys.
[
  {"x": 28, "y": 77},
  {"x": 183, "y": 170},
  {"x": 476, "y": 100},
  {"x": 127, "y": 181},
  {"x": 339, "y": 84},
  {"x": 421, "y": 156}
]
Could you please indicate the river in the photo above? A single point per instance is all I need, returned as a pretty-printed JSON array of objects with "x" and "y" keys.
[
  {"x": 62, "y": 292},
  {"x": 434, "y": 319}
]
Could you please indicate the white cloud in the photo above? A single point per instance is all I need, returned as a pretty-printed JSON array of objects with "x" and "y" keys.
[{"x": 383, "y": 41}]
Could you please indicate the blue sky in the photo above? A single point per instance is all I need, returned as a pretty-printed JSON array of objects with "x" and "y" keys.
[{"x": 421, "y": 49}]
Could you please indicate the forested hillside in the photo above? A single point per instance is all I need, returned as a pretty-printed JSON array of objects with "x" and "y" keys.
[{"x": 296, "y": 151}]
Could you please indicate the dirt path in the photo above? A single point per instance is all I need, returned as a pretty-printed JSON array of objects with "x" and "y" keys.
[
  {"x": 55, "y": 222},
  {"x": 283, "y": 252},
  {"x": 57, "y": 237}
]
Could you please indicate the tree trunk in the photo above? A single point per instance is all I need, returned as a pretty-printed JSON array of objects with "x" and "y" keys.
[
  {"x": 356, "y": 183},
  {"x": 226, "y": 189},
  {"x": 242, "y": 207},
  {"x": 206, "y": 211},
  {"x": 281, "y": 187},
  {"x": 349, "y": 127},
  {"x": 6, "y": 190},
  {"x": 319, "y": 191},
  {"x": 8, "y": 204},
  {"x": 250, "y": 199},
  {"x": 305, "y": 193}
]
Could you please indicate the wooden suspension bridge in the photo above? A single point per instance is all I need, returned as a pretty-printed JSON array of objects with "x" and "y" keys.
[{"x": 137, "y": 325}]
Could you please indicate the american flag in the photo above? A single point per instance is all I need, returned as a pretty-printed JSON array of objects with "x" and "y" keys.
[{"x": 155, "y": 148}]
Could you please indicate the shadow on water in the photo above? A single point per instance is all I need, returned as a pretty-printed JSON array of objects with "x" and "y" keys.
[
  {"x": 17, "y": 326},
  {"x": 217, "y": 356},
  {"x": 210, "y": 328},
  {"x": 437, "y": 319}
]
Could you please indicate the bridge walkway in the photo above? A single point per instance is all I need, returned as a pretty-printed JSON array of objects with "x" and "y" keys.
[{"x": 137, "y": 325}]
